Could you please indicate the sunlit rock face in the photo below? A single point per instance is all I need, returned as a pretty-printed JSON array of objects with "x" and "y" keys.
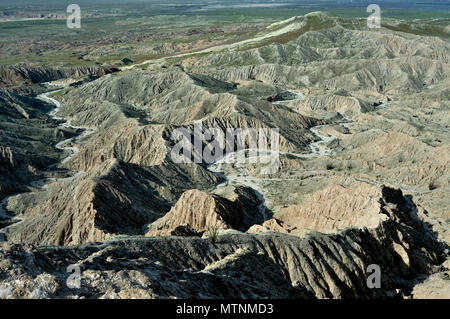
[{"x": 364, "y": 143}]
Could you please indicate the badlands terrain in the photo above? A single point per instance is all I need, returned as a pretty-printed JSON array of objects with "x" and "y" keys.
[{"x": 364, "y": 121}]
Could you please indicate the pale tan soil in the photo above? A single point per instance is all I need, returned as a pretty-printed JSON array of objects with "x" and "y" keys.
[{"x": 363, "y": 178}]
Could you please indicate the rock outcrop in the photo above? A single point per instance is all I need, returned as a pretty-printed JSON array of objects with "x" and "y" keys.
[
  {"x": 118, "y": 198},
  {"x": 363, "y": 176},
  {"x": 320, "y": 266},
  {"x": 24, "y": 74},
  {"x": 201, "y": 211}
]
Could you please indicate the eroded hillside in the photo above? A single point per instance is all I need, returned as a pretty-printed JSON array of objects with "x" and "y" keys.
[{"x": 363, "y": 117}]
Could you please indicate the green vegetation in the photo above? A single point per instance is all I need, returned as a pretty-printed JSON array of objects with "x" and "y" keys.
[
  {"x": 426, "y": 28},
  {"x": 213, "y": 233},
  {"x": 140, "y": 32}
]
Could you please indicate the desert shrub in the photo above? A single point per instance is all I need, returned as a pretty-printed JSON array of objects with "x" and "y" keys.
[
  {"x": 432, "y": 186},
  {"x": 212, "y": 233}
]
